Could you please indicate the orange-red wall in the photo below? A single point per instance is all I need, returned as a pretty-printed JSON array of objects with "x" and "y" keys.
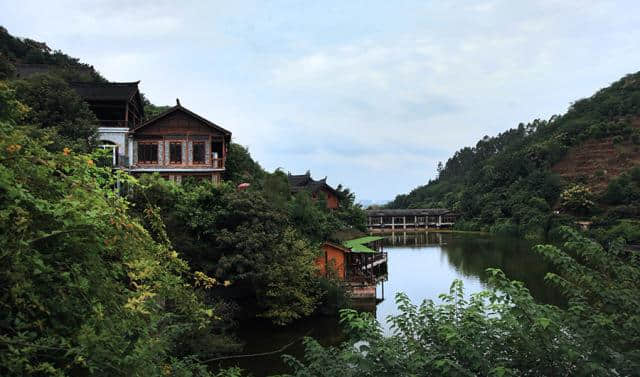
[
  {"x": 332, "y": 200},
  {"x": 335, "y": 258}
]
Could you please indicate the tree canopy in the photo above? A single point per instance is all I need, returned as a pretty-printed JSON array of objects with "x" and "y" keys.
[
  {"x": 85, "y": 289},
  {"x": 15, "y": 51},
  {"x": 56, "y": 108},
  {"x": 504, "y": 332},
  {"x": 506, "y": 181}
]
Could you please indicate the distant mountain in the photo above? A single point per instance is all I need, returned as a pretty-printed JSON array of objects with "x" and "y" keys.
[
  {"x": 369, "y": 202},
  {"x": 514, "y": 182}
]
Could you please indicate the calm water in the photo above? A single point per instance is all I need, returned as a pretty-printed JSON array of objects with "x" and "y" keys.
[{"x": 422, "y": 265}]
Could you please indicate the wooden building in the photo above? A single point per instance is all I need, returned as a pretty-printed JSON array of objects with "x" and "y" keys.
[
  {"x": 334, "y": 258},
  {"x": 179, "y": 143},
  {"x": 118, "y": 107},
  {"x": 359, "y": 261},
  {"x": 412, "y": 218},
  {"x": 175, "y": 144},
  {"x": 315, "y": 188}
]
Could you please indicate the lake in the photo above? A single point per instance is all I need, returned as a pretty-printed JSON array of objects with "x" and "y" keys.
[{"x": 422, "y": 265}]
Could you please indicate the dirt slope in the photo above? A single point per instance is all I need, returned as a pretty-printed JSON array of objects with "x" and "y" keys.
[{"x": 596, "y": 161}]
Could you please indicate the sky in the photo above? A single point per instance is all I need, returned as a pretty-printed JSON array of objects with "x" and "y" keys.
[{"x": 371, "y": 94}]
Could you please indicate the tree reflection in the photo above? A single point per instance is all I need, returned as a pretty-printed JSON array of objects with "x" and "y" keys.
[{"x": 471, "y": 255}]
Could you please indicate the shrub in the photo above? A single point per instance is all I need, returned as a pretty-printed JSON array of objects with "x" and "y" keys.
[
  {"x": 577, "y": 199},
  {"x": 85, "y": 289},
  {"x": 629, "y": 230},
  {"x": 635, "y": 174},
  {"x": 503, "y": 332},
  {"x": 504, "y": 227}
]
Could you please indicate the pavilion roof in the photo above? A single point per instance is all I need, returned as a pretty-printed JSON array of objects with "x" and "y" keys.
[
  {"x": 358, "y": 245},
  {"x": 408, "y": 212},
  {"x": 305, "y": 182},
  {"x": 108, "y": 91}
]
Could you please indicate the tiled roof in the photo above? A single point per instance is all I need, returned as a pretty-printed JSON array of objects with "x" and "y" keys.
[
  {"x": 112, "y": 91},
  {"x": 299, "y": 180},
  {"x": 408, "y": 212},
  {"x": 305, "y": 182}
]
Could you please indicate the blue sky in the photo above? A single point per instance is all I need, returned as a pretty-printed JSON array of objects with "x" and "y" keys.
[{"x": 371, "y": 94}]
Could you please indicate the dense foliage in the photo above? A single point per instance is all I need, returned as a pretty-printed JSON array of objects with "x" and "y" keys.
[
  {"x": 577, "y": 198},
  {"x": 504, "y": 332},
  {"x": 262, "y": 240},
  {"x": 84, "y": 289},
  {"x": 57, "y": 108},
  {"x": 506, "y": 183},
  {"x": 240, "y": 167},
  {"x": 151, "y": 110}
]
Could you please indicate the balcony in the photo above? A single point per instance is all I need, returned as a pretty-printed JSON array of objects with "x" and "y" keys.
[
  {"x": 114, "y": 159},
  {"x": 216, "y": 162}
]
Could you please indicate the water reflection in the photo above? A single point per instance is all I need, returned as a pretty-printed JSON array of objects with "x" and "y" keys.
[
  {"x": 262, "y": 336},
  {"x": 422, "y": 265}
]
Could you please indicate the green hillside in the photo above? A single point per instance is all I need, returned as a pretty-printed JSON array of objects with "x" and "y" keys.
[
  {"x": 27, "y": 55},
  {"x": 513, "y": 182}
]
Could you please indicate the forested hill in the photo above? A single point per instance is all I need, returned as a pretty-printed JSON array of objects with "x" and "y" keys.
[
  {"x": 580, "y": 163},
  {"x": 30, "y": 56}
]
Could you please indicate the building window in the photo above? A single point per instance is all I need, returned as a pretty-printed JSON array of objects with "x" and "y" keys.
[
  {"x": 198, "y": 153},
  {"x": 148, "y": 153},
  {"x": 175, "y": 152}
]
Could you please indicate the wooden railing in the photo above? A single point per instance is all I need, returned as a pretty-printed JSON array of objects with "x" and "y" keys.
[
  {"x": 369, "y": 272},
  {"x": 382, "y": 256},
  {"x": 113, "y": 123},
  {"x": 217, "y": 163}
]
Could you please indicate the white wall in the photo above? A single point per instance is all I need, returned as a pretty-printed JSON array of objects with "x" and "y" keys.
[{"x": 118, "y": 136}]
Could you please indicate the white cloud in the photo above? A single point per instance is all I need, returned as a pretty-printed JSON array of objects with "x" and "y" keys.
[{"x": 371, "y": 96}]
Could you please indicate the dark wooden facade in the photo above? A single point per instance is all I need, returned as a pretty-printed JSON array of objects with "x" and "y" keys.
[
  {"x": 175, "y": 144},
  {"x": 179, "y": 143},
  {"x": 116, "y": 104},
  {"x": 118, "y": 107}
]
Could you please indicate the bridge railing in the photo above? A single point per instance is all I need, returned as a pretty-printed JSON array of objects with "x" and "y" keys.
[{"x": 378, "y": 219}]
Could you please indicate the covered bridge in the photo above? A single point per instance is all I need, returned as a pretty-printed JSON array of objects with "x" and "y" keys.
[{"x": 411, "y": 218}]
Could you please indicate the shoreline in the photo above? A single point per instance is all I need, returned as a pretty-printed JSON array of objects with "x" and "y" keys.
[{"x": 424, "y": 230}]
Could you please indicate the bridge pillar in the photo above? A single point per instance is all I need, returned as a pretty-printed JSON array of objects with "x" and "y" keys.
[
  {"x": 415, "y": 222},
  {"x": 393, "y": 222},
  {"x": 404, "y": 222},
  {"x": 439, "y": 221}
]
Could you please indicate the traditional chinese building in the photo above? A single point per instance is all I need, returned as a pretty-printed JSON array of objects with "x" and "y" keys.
[
  {"x": 360, "y": 263},
  {"x": 175, "y": 144},
  {"x": 179, "y": 143},
  {"x": 315, "y": 188},
  {"x": 118, "y": 107},
  {"x": 411, "y": 218}
]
